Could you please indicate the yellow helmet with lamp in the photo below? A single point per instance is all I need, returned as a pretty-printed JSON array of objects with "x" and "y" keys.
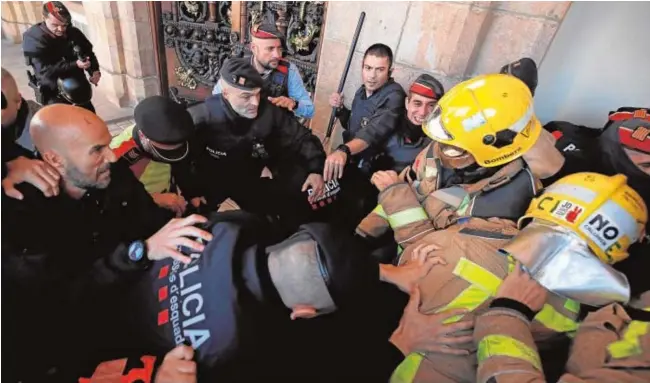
[
  {"x": 490, "y": 117},
  {"x": 603, "y": 210}
]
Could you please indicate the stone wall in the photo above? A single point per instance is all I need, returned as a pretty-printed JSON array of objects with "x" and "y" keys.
[
  {"x": 17, "y": 17},
  {"x": 123, "y": 42},
  {"x": 450, "y": 40}
]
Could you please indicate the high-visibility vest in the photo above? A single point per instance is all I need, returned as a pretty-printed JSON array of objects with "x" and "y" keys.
[{"x": 155, "y": 176}]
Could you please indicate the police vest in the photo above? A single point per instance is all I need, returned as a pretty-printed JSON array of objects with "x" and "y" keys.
[
  {"x": 364, "y": 108},
  {"x": 276, "y": 83},
  {"x": 155, "y": 176}
]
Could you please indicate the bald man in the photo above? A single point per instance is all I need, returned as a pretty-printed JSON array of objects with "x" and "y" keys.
[
  {"x": 66, "y": 258},
  {"x": 18, "y": 163}
]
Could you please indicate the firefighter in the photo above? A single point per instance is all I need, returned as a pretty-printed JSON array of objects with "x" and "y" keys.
[
  {"x": 155, "y": 149},
  {"x": 283, "y": 85},
  {"x": 409, "y": 139},
  {"x": 467, "y": 191},
  {"x": 572, "y": 254},
  {"x": 622, "y": 146},
  {"x": 239, "y": 134},
  {"x": 59, "y": 51},
  {"x": 490, "y": 155}
]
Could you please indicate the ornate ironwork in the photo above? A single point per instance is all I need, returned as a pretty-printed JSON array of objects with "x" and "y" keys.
[
  {"x": 200, "y": 33},
  {"x": 301, "y": 22}
]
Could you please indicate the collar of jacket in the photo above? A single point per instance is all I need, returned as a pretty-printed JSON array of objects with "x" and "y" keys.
[{"x": 364, "y": 95}]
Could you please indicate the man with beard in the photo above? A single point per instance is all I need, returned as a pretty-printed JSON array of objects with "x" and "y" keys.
[
  {"x": 59, "y": 54},
  {"x": 18, "y": 162},
  {"x": 66, "y": 257},
  {"x": 283, "y": 84},
  {"x": 409, "y": 139},
  {"x": 239, "y": 134},
  {"x": 622, "y": 146},
  {"x": 156, "y": 149}
]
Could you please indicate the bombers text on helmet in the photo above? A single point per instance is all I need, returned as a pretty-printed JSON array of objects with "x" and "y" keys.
[{"x": 490, "y": 116}]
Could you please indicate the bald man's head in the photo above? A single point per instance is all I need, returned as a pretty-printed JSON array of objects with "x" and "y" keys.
[
  {"x": 11, "y": 99},
  {"x": 75, "y": 142}
]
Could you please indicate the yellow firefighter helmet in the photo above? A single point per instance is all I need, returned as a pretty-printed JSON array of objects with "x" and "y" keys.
[
  {"x": 491, "y": 117},
  {"x": 601, "y": 209}
]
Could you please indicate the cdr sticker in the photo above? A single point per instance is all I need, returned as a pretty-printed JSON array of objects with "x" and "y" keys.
[
  {"x": 568, "y": 211},
  {"x": 601, "y": 229}
]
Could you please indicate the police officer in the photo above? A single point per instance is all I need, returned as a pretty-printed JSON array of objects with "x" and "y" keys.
[
  {"x": 283, "y": 85},
  {"x": 409, "y": 139},
  {"x": 377, "y": 108},
  {"x": 56, "y": 50},
  {"x": 155, "y": 148},
  {"x": 18, "y": 159},
  {"x": 622, "y": 146},
  {"x": 72, "y": 253},
  {"x": 247, "y": 297},
  {"x": 239, "y": 133}
]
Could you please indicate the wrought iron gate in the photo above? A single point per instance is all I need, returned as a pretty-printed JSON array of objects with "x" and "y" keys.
[{"x": 195, "y": 37}]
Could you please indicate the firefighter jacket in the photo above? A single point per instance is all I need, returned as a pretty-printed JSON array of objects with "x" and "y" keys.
[{"x": 611, "y": 346}]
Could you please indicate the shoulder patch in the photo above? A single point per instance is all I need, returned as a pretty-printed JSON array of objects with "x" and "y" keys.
[
  {"x": 283, "y": 66},
  {"x": 127, "y": 150}
]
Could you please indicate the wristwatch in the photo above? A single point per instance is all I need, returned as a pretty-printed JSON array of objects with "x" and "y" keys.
[
  {"x": 295, "y": 104},
  {"x": 137, "y": 251},
  {"x": 345, "y": 149}
]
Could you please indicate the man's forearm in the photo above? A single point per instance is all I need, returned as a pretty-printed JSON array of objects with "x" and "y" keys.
[{"x": 357, "y": 146}]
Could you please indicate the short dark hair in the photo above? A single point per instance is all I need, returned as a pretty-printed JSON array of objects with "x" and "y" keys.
[
  {"x": 380, "y": 50},
  {"x": 58, "y": 10}
]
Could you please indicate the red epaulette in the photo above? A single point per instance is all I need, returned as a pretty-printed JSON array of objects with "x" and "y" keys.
[
  {"x": 283, "y": 66},
  {"x": 124, "y": 148},
  {"x": 622, "y": 116}
]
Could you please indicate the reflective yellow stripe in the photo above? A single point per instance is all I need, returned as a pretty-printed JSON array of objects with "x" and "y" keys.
[
  {"x": 483, "y": 285},
  {"x": 501, "y": 345},
  {"x": 630, "y": 344},
  {"x": 554, "y": 320},
  {"x": 379, "y": 210},
  {"x": 407, "y": 216},
  {"x": 405, "y": 372},
  {"x": 572, "y": 306},
  {"x": 477, "y": 275}
]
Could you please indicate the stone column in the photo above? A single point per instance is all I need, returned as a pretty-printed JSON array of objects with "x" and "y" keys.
[
  {"x": 450, "y": 40},
  {"x": 123, "y": 42},
  {"x": 17, "y": 17}
]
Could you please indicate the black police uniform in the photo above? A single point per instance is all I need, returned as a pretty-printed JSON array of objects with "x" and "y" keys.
[
  {"x": 231, "y": 151},
  {"x": 54, "y": 57},
  {"x": 161, "y": 120},
  {"x": 600, "y": 150},
  {"x": 224, "y": 305},
  {"x": 63, "y": 260},
  {"x": 16, "y": 141},
  {"x": 372, "y": 119}
]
